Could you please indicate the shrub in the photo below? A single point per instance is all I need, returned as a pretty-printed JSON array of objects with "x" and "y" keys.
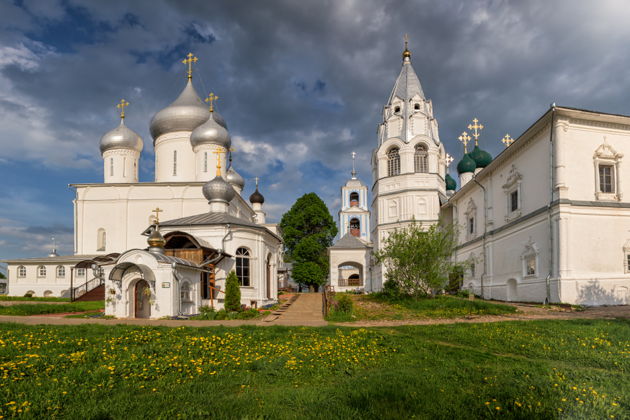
[
  {"x": 232, "y": 293},
  {"x": 391, "y": 290},
  {"x": 463, "y": 293},
  {"x": 28, "y": 295},
  {"x": 343, "y": 303},
  {"x": 206, "y": 313}
]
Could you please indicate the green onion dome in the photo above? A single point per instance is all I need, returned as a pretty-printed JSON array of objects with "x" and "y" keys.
[
  {"x": 451, "y": 185},
  {"x": 481, "y": 157},
  {"x": 467, "y": 164}
]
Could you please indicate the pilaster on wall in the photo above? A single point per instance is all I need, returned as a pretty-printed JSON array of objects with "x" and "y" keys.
[{"x": 558, "y": 150}]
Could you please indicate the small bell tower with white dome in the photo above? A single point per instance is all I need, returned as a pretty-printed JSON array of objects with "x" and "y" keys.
[
  {"x": 121, "y": 149},
  {"x": 354, "y": 216}
]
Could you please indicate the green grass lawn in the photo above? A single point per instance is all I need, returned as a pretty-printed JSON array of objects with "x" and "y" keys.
[
  {"x": 379, "y": 307},
  {"x": 34, "y": 299},
  {"x": 43, "y": 308},
  {"x": 537, "y": 369}
]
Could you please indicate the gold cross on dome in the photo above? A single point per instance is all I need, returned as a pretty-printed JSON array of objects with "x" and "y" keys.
[
  {"x": 507, "y": 140},
  {"x": 449, "y": 159},
  {"x": 157, "y": 212},
  {"x": 464, "y": 138},
  {"x": 476, "y": 127},
  {"x": 121, "y": 105},
  {"x": 219, "y": 152},
  {"x": 210, "y": 99},
  {"x": 189, "y": 60}
]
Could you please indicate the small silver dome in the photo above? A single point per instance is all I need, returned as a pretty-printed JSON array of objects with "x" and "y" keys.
[
  {"x": 121, "y": 137},
  {"x": 210, "y": 132},
  {"x": 218, "y": 189},
  {"x": 235, "y": 179},
  {"x": 185, "y": 114}
]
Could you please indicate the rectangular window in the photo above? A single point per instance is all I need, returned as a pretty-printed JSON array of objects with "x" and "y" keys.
[
  {"x": 80, "y": 272},
  {"x": 514, "y": 200},
  {"x": 471, "y": 225},
  {"x": 606, "y": 179},
  {"x": 174, "y": 162},
  {"x": 530, "y": 265},
  {"x": 124, "y": 167},
  {"x": 472, "y": 270},
  {"x": 627, "y": 263}
]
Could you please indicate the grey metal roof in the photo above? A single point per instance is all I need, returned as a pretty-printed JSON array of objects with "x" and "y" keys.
[
  {"x": 52, "y": 260},
  {"x": 212, "y": 218},
  {"x": 407, "y": 84},
  {"x": 350, "y": 242}
]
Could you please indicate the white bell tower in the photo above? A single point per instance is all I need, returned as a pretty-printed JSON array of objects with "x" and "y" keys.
[{"x": 354, "y": 216}]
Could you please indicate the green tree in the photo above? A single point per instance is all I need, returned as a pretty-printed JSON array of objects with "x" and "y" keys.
[
  {"x": 419, "y": 261},
  {"x": 308, "y": 230},
  {"x": 232, "y": 293},
  {"x": 2, "y": 276}
]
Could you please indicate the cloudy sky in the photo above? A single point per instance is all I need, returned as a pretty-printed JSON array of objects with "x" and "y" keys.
[{"x": 301, "y": 83}]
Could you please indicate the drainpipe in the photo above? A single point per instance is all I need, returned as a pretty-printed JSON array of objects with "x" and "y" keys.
[
  {"x": 552, "y": 158},
  {"x": 485, "y": 227}
]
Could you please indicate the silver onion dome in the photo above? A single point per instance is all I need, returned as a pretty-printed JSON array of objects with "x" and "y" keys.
[
  {"x": 218, "y": 190},
  {"x": 121, "y": 137},
  {"x": 185, "y": 114},
  {"x": 235, "y": 179},
  {"x": 210, "y": 132}
]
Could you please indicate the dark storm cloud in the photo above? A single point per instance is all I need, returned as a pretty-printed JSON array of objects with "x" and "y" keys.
[{"x": 302, "y": 83}]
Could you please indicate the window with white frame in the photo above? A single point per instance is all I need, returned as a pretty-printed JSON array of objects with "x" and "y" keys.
[
  {"x": 529, "y": 259},
  {"x": 626, "y": 257},
  {"x": 21, "y": 271},
  {"x": 421, "y": 158},
  {"x": 61, "y": 271},
  {"x": 101, "y": 239},
  {"x": 243, "y": 266},
  {"x": 512, "y": 190},
  {"x": 80, "y": 272},
  {"x": 393, "y": 162},
  {"x": 41, "y": 271},
  {"x": 471, "y": 219},
  {"x": 607, "y": 161}
]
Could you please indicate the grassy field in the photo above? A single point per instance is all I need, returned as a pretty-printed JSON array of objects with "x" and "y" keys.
[
  {"x": 34, "y": 299},
  {"x": 537, "y": 369},
  {"x": 43, "y": 308},
  {"x": 378, "y": 307}
]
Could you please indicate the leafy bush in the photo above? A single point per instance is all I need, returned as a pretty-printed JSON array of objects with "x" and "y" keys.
[
  {"x": 391, "y": 289},
  {"x": 232, "y": 293},
  {"x": 343, "y": 303},
  {"x": 463, "y": 293}
]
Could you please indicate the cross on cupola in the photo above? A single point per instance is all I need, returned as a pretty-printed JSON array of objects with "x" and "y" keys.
[
  {"x": 157, "y": 212},
  {"x": 121, "y": 105},
  {"x": 464, "y": 138},
  {"x": 449, "y": 159},
  {"x": 211, "y": 99},
  {"x": 188, "y": 61},
  {"x": 507, "y": 140},
  {"x": 354, "y": 172},
  {"x": 476, "y": 129}
]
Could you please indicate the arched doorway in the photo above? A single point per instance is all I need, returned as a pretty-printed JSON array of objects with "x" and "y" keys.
[
  {"x": 268, "y": 276},
  {"x": 142, "y": 299},
  {"x": 350, "y": 274}
]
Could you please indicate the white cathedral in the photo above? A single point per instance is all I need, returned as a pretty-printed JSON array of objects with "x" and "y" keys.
[
  {"x": 208, "y": 228},
  {"x": 544, "y": 221}
]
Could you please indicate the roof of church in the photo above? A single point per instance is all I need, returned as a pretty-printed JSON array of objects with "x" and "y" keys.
[
  {"x": 349, "y": 241},
  {"x": 407, "y": 84},
  {"x": 214, "y": 219}
]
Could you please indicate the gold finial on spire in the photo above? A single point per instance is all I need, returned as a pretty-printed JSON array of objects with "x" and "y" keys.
[
  {"x": 406, "y": 53},
  {"x": 210, "y": 99},
  {"x": 476, "y": 127},
  {"x": 219, "y": 152},
  {"x": 157, "y": 212},
  {"x": 507, "y": 140},
  {"x": 464, "y": 138},
  {"x": 189, "y": 60},
  {"x": 448, "y": 159},
  {"x": 121, "y": 105}
]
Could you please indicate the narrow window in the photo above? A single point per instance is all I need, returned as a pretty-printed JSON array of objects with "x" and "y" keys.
[
  {"x": 124, "y": 167},
  {"x": 393, "y": 162},
  {"x": 530, "y": 265},
  {"x": 627, "y": 263},
  {"x": 174, "y": 162},
  {"x": 472, "y": 270},
  {"x": 205, "y": 161},
  {"x": 421, "y": 158},
  {"x": 21, "y": 271},
  {"x": 514, "y": 200},
  {"x": 471, "y": 225},
  {"x": 61, "y": 271},
  {"x": 242, "y": 266},
  {"x": 135, "y": 169},
  {"x": 606, "y": 179},
  {"x": 354, "y": 199},
  {"x": 41, "y": 271},
  {"x": 111, "y": 166},
  {"x": 101, "y": 240}
]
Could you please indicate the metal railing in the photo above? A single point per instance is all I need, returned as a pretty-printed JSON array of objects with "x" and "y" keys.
[
  {"x": 89, "y": 285},
  {"x": 350, "y": 282}
]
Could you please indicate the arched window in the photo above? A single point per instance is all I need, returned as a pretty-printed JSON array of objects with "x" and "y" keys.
[
  {"x": 393, "y": 162},
  {"x": 354, "y": 199},
  {"x": 101, "y": 239},
  {"x": 41, "y": 271},
  {"x": 61, "y": 271},
  {"x": 355, "y": 227},
  {"x": 421, "y": 158},
  {"x": 21, "y": 271},
  {"x": 242, "y": 266}
]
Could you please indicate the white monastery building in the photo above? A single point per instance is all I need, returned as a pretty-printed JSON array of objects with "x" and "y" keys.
[{"x": 209, "y": 228}]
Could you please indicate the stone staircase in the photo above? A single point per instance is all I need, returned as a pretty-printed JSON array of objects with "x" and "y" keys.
[{"x": 281, "y": 310}]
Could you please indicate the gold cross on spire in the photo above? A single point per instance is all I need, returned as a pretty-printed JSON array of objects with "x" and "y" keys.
[
  {"x": 464, "y": 138},
  {"x": 449, "y": 159},
  {"x": 121, "y": 105},
  {"x": 406, "y": 53},
  {"x": 507, "y": 140},
  {"x": 189, "y": 60},
  {"x": 157, "y": 212},
  {"x": 476, "y": 127},
  {"x": 219, "y": 152},
  {"x": 210, "y": 99},
  {"x": 256, "y": 179}
]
